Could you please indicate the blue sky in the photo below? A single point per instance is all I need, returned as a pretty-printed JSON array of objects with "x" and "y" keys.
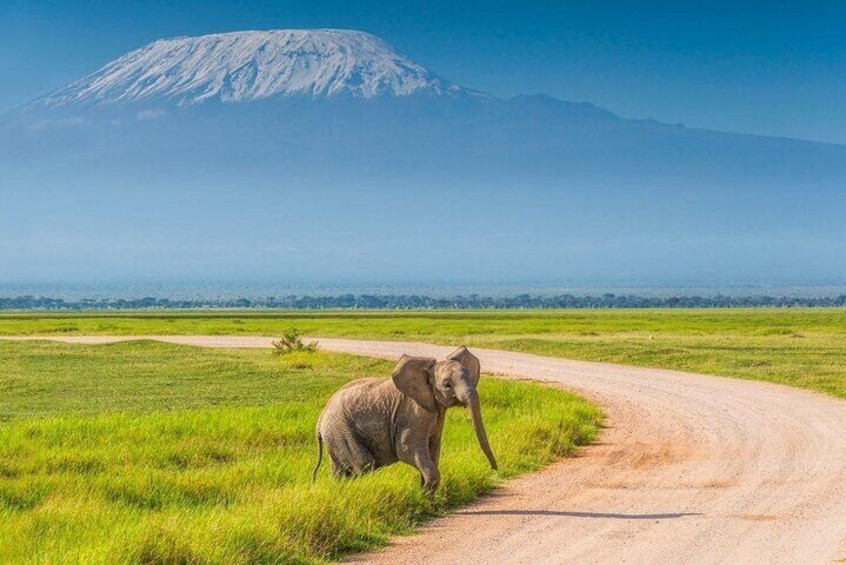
[{"x": 776, "y": 67}]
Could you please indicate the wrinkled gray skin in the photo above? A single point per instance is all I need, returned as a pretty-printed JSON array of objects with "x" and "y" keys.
[{"x": 371, "y": 423}]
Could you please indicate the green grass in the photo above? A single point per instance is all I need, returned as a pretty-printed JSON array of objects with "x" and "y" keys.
[
  {"x": 154, "y": 453},
  {"x": 805, "y": 348}
]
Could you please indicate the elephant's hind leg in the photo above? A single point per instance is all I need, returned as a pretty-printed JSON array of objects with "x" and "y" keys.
[
  {"x": 339, "y": 469},
  {"x": 350, "y": 459}
]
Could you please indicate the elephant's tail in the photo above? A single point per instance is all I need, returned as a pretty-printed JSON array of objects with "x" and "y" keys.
[{"x": 319, "y": 457}]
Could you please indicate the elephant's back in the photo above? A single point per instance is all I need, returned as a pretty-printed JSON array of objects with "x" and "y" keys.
[
  {"x": 352, "y": 392},
  {"x": 357, "y": 398},
  {"x": 353, "y": 398},
  {"x": 360, "y": 384}
]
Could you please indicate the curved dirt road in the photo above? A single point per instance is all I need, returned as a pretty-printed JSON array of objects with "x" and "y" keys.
[{"x": 692, "y": 469}]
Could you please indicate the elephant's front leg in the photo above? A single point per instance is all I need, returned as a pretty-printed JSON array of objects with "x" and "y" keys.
[
  {"x": 435, "y": 439},
  {"x": 434, "y": 455},
  {"x": 428, "y": 471},
  {"x": 416, "y": 453},
  {"x": 435, "y": 448}
]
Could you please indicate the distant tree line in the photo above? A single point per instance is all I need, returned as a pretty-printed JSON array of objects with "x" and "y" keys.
[{"x": 416, "y": 302}]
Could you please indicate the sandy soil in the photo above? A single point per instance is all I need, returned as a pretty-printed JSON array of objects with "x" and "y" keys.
[{"x": 692, "y": 469}]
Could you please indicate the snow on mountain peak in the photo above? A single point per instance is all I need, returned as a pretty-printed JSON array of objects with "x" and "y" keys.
[{"x": 254, "y": 65}]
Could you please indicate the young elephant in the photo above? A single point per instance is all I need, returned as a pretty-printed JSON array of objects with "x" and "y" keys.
[{"x": 371, "y": 423}]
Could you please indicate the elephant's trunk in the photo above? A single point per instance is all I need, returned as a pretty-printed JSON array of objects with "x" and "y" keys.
[{"x": 476, "y": 412}]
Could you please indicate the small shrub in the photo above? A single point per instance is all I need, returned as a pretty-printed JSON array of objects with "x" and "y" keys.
[{"x": 291, "y": 342}]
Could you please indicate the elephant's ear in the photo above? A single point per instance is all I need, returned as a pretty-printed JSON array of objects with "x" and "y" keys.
[
  {"x": 469, "y": 361},
  {"x": 413, "y": 376}
]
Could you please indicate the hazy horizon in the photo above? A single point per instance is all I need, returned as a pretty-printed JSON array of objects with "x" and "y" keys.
[{"x": 214, "y": 290}]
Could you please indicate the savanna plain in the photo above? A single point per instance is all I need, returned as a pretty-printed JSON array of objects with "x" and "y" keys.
[{"x": 144, "y": 452}]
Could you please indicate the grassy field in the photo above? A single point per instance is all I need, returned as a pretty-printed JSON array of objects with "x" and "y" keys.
[
  {"x": 799, "y": 347},
  {"x": 149, "y": 453}
]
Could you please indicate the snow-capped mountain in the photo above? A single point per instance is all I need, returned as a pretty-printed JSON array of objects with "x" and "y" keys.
[
  {"x": 328, "y": 154},
  {"x": 254, "y": 65}
]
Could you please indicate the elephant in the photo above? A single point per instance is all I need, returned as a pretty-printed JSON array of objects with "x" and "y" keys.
[{"x": 372, "y": 423}]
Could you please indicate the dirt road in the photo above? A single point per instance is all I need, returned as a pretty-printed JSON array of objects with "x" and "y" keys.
[{"x": 692, "y": 469}]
